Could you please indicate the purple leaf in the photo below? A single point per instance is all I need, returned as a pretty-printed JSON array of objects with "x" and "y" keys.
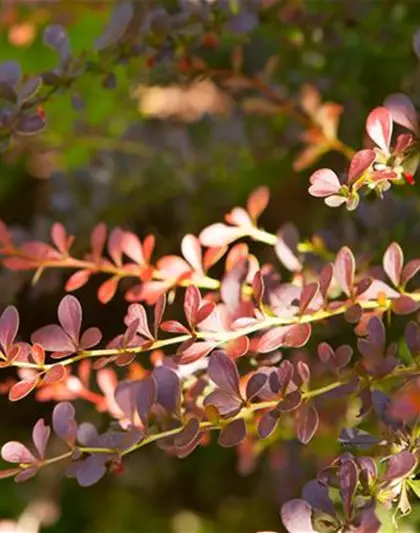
[
  {"x": 29, "y": 90},
  {"x": 16, "y": 452},
  {"x": 316, "y": 494},
  {"x": 255, "y": 384},
  {"x": 26, "y": 474},
  {"x": 232, "y": 434},
  {"x": 91, "y": 470},
  {"x": 63, "y": 421},
  {"x": 402, "y": 111},
  {"x": 344, "y": 270},
  {"x": 357, "y": 437},
  {"x": 224, "y": 373},
  {"x": 55, "y": 36},
  {"x": 40, "y": 436},
  {"x": 9, "y": 325},
  {"x": 308, "y": 294},
  {"x": 117, "y": 25},
  {"x": 399, "y": 466},
  {"x": 138, "y": 312},
  {"x": 226, "y": 404},
  {"x": 272, "y": 339},
  {"x": 348, "y": 478},
  {"x": 267, "y": 424},
  {"x": 53, "y": 339},
  {"x": 188, "y": 433},
  {"x": 379, "y": 127},
  {"x": 168, "y": 389},
  {"x": 296, "y": 516},
  {"x": 412, "y": 338},
  {"x": 30, "y": 124},
  {"x": 125, "y": 396},
  {"x": 290, "y": 402},
  {"x": 10, "y": 72},
  {"x": 404, "y": 305},
  {"x": 393, "y": 262},
  {"x": 324, "y": 182},
  {"x": 360, "y": 162},
  {"x": 91, "y": 337},
  {"x": 307, "y": 421},
  {"x": 410, "y": 270},
  {"x": 146, "y": 393},
  {"x": 70, "y": 316}
]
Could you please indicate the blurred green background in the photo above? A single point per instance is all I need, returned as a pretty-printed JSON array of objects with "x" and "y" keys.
[{"x": 110, "y": 161}]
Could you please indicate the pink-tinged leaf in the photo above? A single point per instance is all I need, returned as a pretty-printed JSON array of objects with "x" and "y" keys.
[
  {"x": 324, "y": 182},
  {"x": 125, "y": 396},
  {"x": 239, "y": 217},
  {"x": 393, "y": 263},
  {"x": 307, "y": 421},
  {"x": 38, "y": 354},
  {"x": 410, "y": 270},
  {"x": 53, "y": 339},
  {"x": 360, "y": 162},
  {"x": 132, "y": 248},
  {"x": 91, "y": 470},
  {"x": 226, "y": 405},
  {"x": 18, "y": 263},
  {"x": 77, "y": 280},
  {"x": 335, "y": 200},
  {"x": 191, "y": 250},
  {"x": 267, "y": 425},
  {"x": 115, "y": 245},
  {"x": 40, "y": 436},
  {"x": 54, "y": 374},
  {"x": 400, "y": 465},
  {"x": 379, "y": 127},
  {"x": 40, "y": 251},
  {"x": 258, "y": 287},
  {"x": 63, "y": 421},
  {"x": 232, "y": 434},
  {"x": 196, "y": 351},
  {"x": 286, "y": 247},
  {"x": 190, "y": 447},
  {"x": 303, "y": 372},
  {"x": 238, "y": 347},
  {"x": 367, "y": 522},
  {"x": 206, "y": 309},
  {"x": 354, "y": 313},
  {"x": 402, "y": 111},
  {"x": 348, "y": 479},
  {"x": 296, "y": 516},
  {"x": 404, "y": 305},
  {"x": 173, "y": 326},
  {"x": 255, "y": 385},
  {"x": 91, "y": 337},
  {"x": 257, "y": 202},
  {"x": 212, "y": 256},
  {"x": 297, "y": 335},
  {"x": 192, "y": 300},
  {"x": 108, "y": 289},
  {"x": 16, "y": 452},
  {"x": 158, "y": 313},
  {"x": 9, "y": 472},
  {"x": 97, "y": 240},
  {"x": 290, "y": 402},
  {"x": 272, "y": 339},
  {"x": 224, "y": 373},
  {"x": 218, "y": 235},
  {"x": 22, "y": 388},
  {"x": 377, "y": 289},
  {"x": 70, "y": 316},
  {"x": 344, "y": 270},
  {"x": 26, "y": 474},
  {"x": 307, "y": 295},
  {"x": 138, "y": 312},
  {"x": 146, "y": 395},
  {"x": 9, "y": 325},
  {"x": 172, "y": 267},
  {"x": 325, "y": 278},
  {"x": 148, "y": 247},
  {"x": 59, "y": 238}
]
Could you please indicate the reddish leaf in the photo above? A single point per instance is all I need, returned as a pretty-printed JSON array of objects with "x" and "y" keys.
[
  {"x": 173, "y": 326},
  {"x": 97, "y": 240},
  {"x": 22, "y": 388},
  {"x": 132, "y": 248},
  {"x": 290, "y": 402},
  {"x": 393, "y": 263},
  {"x": 16, "y": 452},
  {"x": 115, "y": 245},
  {"x": 9, "y": 325},
  {"x": 360, "y": 162},
  {"x": 267, "y": 425},
  {"x": 325, "y": 278},
  {"x": 40, "y": 436},
  {"x": 188, "y": 433},
  {"x": 286, "y": 247},
  {"x": 302, "y": 370},
  {"x": 255, "y": 385},
  {"x": 298, "y": 335},
  {"x": 26, "y": 474},
  {"x": 257, "y": 202},
  {"x": 348, "y": 479},
  {"x": 219, "y": 234},
  {"x": 9, "y": 472},
  {"x": 258, "y": 287},
  {"x": 59, "y": 237},
  {"x": 404, "y": 305},
  {"x": 90, "y": 337},
  {"x": 226, "y": 405},
  {"x": 307, "y": 421},
  {"x": 38, "y": 354},
  {"x": 77, "y": 280},
  {"x": 379, "y": 127},
  {"x": 344, "y": 269},
  {"x": 212, "y": 256},
  {"x": 54, "y": 374},
  {"x": 224, "y": 373},
  {"x": 206, "y": 309},
  {"x": 159, "y": 311},
  {"x": 239, "y": 217},
  {"x": 191, "y": 250},
  {"x": 138, "y": 312},
  {"x": 237, "y": 347},
  {"x": 410, "y": 270},
  {"x": 272, "y": 339},
  {"x": 296, "y": 516},
  {"x": 353, "y": 313},
  {"x": 232, "y": 434},
  {"x": 70, "y": 316},
  {"x": 192, "y": 302},
  {"x": 108, "y": 289},
  {"x": 53, "y": 339},
  {"x": 308, "y": 294},
  {"x": 168, "y": 389}
]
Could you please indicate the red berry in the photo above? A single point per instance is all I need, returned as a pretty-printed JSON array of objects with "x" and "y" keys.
[
  {"x": 409, "y": 178},
  {"x": 40, "y": 110}
]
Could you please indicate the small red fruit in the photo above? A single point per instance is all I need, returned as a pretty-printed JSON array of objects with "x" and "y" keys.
[{"x": 409, "y": 178}]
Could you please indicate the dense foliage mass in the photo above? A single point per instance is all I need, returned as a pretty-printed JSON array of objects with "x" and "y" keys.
[{"x": 233, "y": 362}]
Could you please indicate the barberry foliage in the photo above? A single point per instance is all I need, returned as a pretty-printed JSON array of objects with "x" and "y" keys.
[{"x": 231, "y": 364}]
